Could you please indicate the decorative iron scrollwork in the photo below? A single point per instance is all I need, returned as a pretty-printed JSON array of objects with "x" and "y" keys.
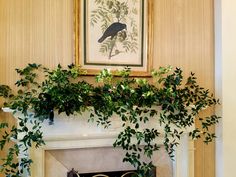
[{"x": 74, "y": 173}]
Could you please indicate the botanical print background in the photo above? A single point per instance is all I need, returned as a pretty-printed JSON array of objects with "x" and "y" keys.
[{"x": 114, "y": 32}]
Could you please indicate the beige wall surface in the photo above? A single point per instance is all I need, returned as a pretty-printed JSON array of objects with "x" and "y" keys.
[
  {"x": 39, "y": 31},
  {"x": 42, "y": 31}
]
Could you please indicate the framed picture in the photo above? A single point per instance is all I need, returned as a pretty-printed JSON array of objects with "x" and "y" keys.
[{"x": 114, "y": 34}]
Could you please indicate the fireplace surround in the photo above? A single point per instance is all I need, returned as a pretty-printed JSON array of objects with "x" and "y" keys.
[{"x": 75, "y": 132}]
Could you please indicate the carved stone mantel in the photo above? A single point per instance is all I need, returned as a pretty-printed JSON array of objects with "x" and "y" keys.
[{"x": 75, "y": 132}]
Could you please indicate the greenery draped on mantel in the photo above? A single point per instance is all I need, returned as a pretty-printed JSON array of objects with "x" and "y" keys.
[{"x": 166, "y": 97}]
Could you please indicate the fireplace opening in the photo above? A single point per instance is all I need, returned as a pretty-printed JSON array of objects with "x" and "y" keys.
[
  {"x": 90, "y": 162},
  {"x": 132, "y": 173}
]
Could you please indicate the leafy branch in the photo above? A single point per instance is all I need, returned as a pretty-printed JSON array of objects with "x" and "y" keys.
[{"x": 172, "y": 103}]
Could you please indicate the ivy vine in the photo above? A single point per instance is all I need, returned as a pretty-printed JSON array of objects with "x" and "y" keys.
[{"x": 172, "y": 101}]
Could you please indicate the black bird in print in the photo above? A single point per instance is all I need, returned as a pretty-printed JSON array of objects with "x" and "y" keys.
[{"x": 112, "y": 31}]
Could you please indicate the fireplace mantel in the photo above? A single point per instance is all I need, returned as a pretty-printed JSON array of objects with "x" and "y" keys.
[{"x": 75, "y": 132}]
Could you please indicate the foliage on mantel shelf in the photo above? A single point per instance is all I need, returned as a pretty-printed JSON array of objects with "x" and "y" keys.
[{"x": 168, "y": 98}]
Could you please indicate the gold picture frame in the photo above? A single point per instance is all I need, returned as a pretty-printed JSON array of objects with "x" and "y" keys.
[{"x": 123, "y": 39}]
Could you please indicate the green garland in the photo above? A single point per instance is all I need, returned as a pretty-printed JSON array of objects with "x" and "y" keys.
[{"x": 135, "y": 100}]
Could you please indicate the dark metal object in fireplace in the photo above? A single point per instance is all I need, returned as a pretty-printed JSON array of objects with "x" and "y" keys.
[{"x": 74, "y": 173}]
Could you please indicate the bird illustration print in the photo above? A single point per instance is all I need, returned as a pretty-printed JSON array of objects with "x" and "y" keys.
[
  {"x": 109, "y": 21},
  {"x": 112, "y": 31}
]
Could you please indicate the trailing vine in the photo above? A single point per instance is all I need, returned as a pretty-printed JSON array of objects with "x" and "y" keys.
[{"x": 173, "y": 104}]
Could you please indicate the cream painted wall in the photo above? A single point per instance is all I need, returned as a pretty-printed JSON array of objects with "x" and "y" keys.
[
  {"x": 226, "y": 86},
  {"x": 42, "y": 31}
]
